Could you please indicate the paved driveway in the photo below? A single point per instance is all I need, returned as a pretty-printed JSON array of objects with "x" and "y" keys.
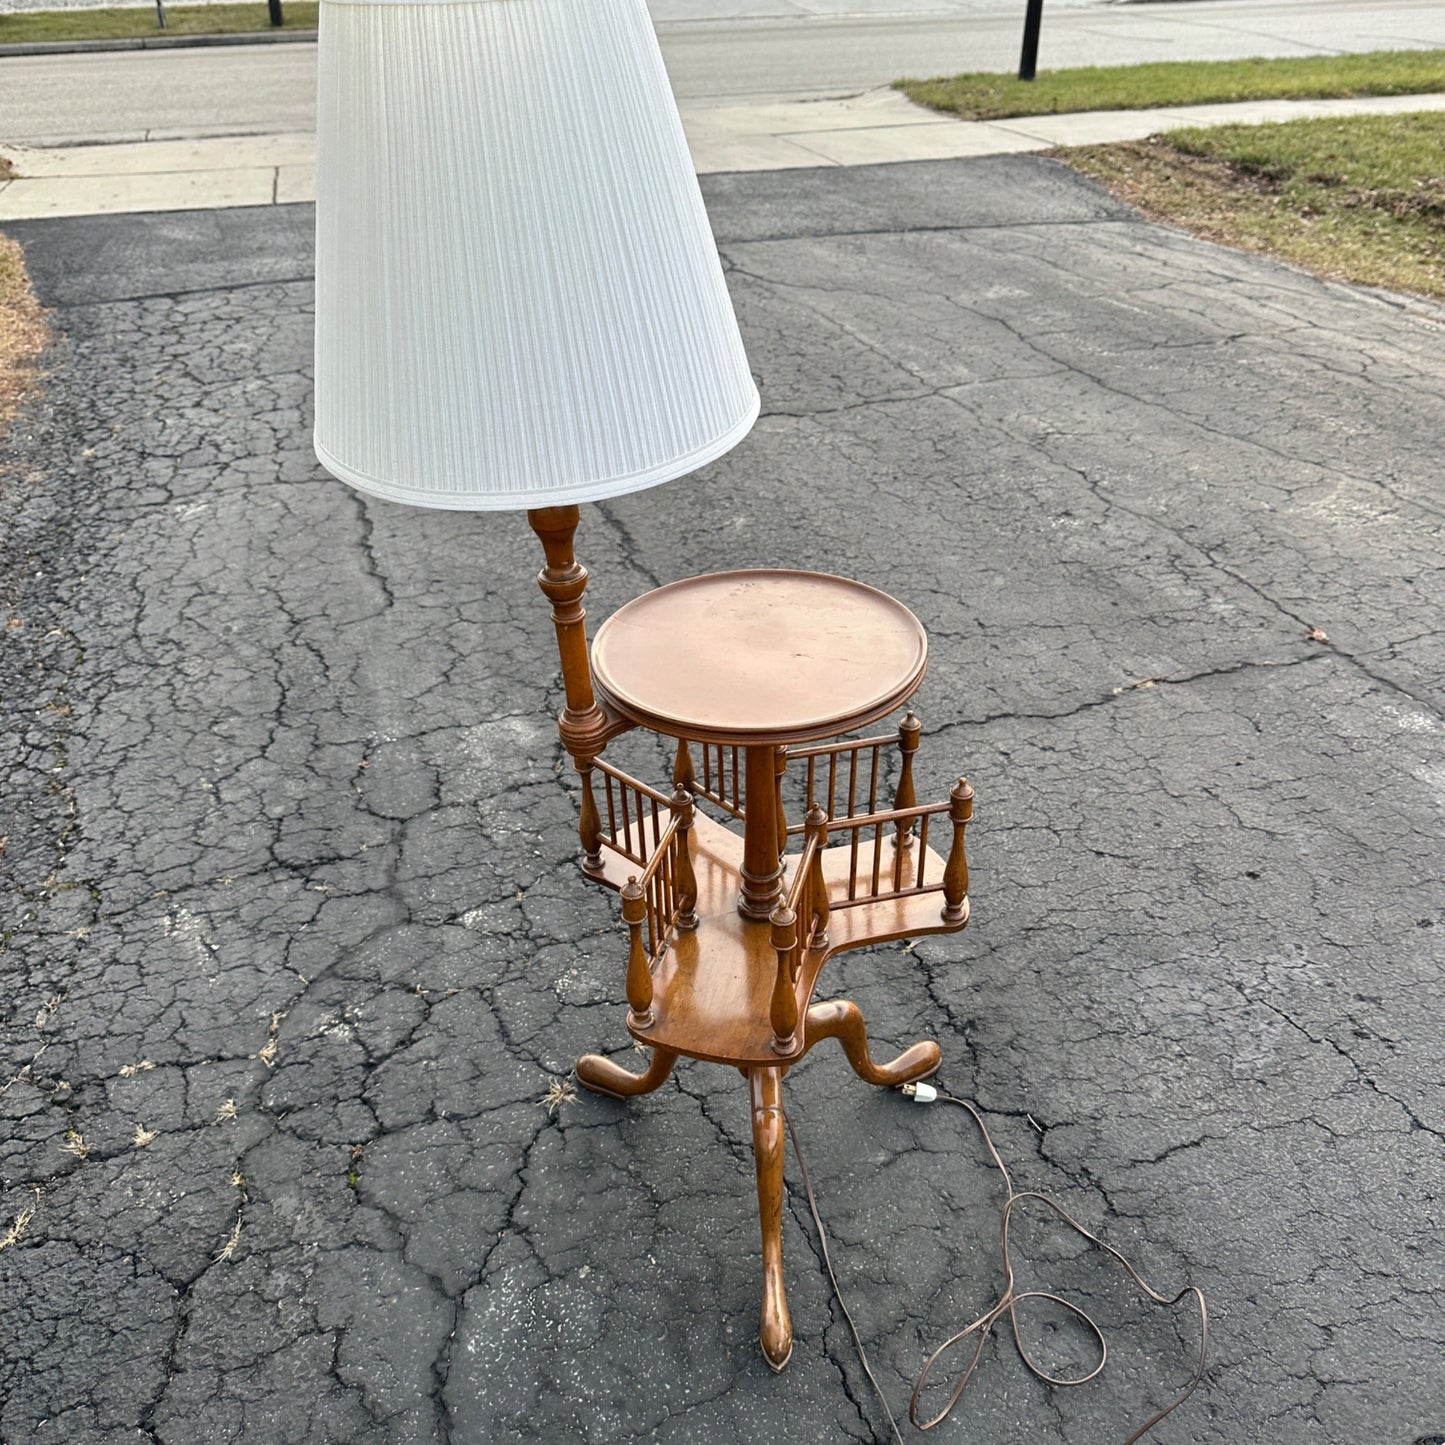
[{"x": 295, "y": 945}]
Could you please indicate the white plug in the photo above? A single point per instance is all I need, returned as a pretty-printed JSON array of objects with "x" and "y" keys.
[{"x": 921, "y": 1093}]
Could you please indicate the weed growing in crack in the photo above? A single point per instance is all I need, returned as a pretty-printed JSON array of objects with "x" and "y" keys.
[
  {"x": 75, "y": 1143},
  {"x": 228, "y": 1249},
  {"x": 559, "y": 1092},
  {"x": 226, "y": 1112},
  {"x": 21, "y": 1222},
  {"x": 267, "y": 1055},
  {"x": 142, "y": 1136}
]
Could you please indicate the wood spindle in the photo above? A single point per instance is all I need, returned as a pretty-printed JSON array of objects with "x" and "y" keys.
[
  {"x": 666, "y": 898},
  {"x": 906, "y": 797},
  {"x": 639, "y": 971},
  {"x": 649, "y": 898},
  {"x": 783, "y": 1013},
  {"x": 682, "y": 808},
  {"x": 682, "y": 773},
  {"x": 816, "y": 897},
  {"x": 589, "y": 826},
  {"x": 955, "y": 873}
]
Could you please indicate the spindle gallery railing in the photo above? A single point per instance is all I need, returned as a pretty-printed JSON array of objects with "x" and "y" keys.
[
  {"x": 722, "y": 776},
  {"x": 846, "y": 766},
  {"x": 800, "y": 920},
  {"x": 657, "y": 903},
  {"x": 867, "y": 884},
  {"x": 635, "y": 814}
]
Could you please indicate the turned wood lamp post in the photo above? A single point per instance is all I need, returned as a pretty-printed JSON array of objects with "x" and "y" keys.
[{"x": 520, "y": 306}]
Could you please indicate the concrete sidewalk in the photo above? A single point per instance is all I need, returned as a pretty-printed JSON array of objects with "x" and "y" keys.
[{"x": 876, "y": 127}]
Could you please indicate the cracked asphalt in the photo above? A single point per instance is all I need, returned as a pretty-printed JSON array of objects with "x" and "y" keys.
[{"x": 294, "y": 944}]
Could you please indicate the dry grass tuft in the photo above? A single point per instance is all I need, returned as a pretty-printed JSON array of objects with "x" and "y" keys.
[
  {"x": 559, "y": 1092},
  {"x": 23, "y": 332},
  {"x": 21, "y": 1223},
  {"x": 267, "y": 1054},
  {"x": 142, "y": 1136},
  {"x": 228, "y": 1249}
]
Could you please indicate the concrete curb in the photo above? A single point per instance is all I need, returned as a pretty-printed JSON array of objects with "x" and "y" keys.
[{"x": 157, "y": 42}]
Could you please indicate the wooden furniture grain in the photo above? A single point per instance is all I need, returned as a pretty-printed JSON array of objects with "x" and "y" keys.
[{"x": 727, "y": 932}]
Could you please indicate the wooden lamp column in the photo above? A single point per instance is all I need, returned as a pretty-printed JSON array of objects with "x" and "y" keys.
[{"x": 583, "y": 725}]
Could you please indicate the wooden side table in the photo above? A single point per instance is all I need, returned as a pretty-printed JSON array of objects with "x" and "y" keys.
[{"x": 729, "y": 932}]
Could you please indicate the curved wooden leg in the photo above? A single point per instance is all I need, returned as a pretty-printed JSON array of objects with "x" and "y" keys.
[
  {"x": 602, "y": 1076},
  {"x": 839, "y": 1019},
  {"x": 775, "y": 1330}
]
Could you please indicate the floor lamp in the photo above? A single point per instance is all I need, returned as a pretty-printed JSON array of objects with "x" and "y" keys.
[{"x": 520, "y": 305}]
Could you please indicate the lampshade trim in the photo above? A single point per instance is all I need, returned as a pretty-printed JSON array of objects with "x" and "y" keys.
[{"x": 598, "y": 491}]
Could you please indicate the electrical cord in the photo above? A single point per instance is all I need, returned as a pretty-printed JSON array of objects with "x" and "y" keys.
[{"x": 1011, "y": 1298}]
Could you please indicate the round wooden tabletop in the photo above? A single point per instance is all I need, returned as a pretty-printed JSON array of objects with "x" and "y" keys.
[{"x": 759, "y": 657}]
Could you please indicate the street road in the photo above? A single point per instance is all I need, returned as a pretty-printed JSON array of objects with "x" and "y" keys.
[{"x": 776, "y": 51}]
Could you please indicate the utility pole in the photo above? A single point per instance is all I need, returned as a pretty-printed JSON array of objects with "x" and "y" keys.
[
  {"x": 1029, "y": 57},
  {"x": 274, "y": 6}
]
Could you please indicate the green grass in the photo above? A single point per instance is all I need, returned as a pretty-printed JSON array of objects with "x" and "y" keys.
[
  {"x": 131, "y": 24},
  {"x": 1138, "y": 87},
  {"x": 1359, "y": 198}
]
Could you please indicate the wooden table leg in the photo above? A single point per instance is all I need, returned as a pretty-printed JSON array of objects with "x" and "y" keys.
[
  {"x": 839, "y": 1018},
  {"x": 775, "y": 1330},
  {"x": 602, "y": 1076}
]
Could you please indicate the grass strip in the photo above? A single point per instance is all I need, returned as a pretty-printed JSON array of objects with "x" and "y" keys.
[
  {"x": 1357, "y": 198},
  {"x": 133, "y": 24},
  {"x": 1141, "y": 87},
  {"x": 23, "y": 332}
]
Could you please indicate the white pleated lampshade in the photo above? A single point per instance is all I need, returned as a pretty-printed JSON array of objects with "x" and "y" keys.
[{"x": 519, "y": 301}]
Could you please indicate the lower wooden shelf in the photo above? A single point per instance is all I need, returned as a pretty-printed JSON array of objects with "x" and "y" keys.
[{"x": 713, "y": 986}]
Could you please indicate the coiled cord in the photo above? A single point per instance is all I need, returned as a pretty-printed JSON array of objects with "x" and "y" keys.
[{"x": 1011, "y": 1298}]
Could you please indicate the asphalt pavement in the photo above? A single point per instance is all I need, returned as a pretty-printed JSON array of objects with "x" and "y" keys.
[{"x": 297, "y": 946}]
